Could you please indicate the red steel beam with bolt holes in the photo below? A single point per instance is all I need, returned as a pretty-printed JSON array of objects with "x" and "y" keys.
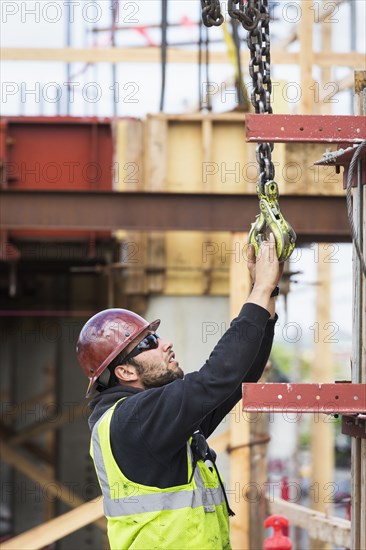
[
  {"x": 316, "y": 218},
  {"x": 305, "y": 128},
  {"x": 323, "y": 398}
]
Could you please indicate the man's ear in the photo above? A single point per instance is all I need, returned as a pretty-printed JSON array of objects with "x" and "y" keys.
[{"x": 126, "y": 373}]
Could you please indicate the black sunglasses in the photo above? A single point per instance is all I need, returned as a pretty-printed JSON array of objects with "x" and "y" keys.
[{"x": 149, "y": 342}]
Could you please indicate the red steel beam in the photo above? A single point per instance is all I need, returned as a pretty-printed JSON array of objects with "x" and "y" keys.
[
  {"x": 293, "y": 398},
  {"x": 305, "y": 128},
  {"x": 314, "y": 217}
]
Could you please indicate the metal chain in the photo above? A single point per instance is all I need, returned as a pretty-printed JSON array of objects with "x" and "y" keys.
[
  {"x": 260, "y": 71},
  {"x": 211, "y": 13},
  {"x": 254, "y": 17},
  {"x": 260, "y": 61},
  {"x": 247, "y": 14}
]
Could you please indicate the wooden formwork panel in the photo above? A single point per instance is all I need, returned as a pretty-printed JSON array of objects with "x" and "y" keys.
[{"x": 207, "y": 153}]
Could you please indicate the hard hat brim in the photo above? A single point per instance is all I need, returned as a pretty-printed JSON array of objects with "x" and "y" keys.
[{"x": 152, "y": 327}]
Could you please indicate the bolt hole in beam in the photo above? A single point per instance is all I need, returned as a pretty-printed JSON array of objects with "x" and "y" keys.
[
  {"x": 304, "y": 128},
  {"x": 338, "y": 398}
]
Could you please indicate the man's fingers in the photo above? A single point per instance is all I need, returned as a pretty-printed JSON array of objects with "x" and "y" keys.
[{"x": 251, "y": 253}]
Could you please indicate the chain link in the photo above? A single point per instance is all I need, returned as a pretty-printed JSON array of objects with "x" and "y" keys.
[
  {"x": 254, "y": 17},
  {"x": 247, "y": 14},
  {"x": 260, "y": 71},
  {"x": 211, "y": 13}
]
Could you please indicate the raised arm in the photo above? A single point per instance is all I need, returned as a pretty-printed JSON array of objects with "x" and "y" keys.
[{"x": 168, "y": 415}]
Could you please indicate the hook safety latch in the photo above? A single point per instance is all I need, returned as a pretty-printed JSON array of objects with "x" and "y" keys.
[{"x": 271, "y": 220}]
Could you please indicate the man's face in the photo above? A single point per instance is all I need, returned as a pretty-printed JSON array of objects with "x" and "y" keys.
[{"x": 157, "y": 367}]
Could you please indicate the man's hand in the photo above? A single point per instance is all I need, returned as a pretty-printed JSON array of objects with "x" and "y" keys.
[
  {"x": 252, "y": 260},
  {"x": 265, "y": 271}
]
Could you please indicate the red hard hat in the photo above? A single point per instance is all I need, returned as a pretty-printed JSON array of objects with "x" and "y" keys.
[{"x": 105, "y": 335}]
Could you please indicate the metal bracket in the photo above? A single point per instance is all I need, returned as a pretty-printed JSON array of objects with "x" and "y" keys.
[
  {"x": 341, "y": 398},
  {"x": 355, "y": 426},
  {"x": 343, "y": 157}
]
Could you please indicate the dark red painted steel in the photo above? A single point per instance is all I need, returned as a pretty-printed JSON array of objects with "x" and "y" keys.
[
  {"x": 295, "y": 398},
  {"x": 52, "y": 153},
  {"x": 305, "y": 128},
  {"x": 355, "y": 426},
  {"x": 317, "y": 217},
  {"x": 58, "y": 153}
]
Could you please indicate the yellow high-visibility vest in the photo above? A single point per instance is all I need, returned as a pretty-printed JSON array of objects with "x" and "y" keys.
[{"x": 190, "y": 516}]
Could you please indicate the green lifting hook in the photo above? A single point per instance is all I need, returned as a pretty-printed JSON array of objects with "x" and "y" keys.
[{"x": 271, "y": 220}]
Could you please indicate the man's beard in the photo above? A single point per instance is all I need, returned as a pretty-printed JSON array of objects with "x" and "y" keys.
[
  {"x": 158, "y": 381},
  {"x": 151, "y": 377}
]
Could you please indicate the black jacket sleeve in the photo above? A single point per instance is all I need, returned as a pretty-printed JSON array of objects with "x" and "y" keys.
[
  {"x": 168, "y": 416},
  {"x": 212, "y": 420}
]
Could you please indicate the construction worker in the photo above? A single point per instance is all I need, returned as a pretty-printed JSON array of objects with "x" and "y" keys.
[{"x": 150, "y": 422}]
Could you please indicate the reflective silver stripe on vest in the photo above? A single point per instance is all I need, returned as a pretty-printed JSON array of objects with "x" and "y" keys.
[
  {"x": 135, "y": 503},
  {"x": 99, "y": 460}
]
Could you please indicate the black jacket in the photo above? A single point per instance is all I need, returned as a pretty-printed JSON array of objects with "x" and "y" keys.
[{"x": 150, "y": 429}]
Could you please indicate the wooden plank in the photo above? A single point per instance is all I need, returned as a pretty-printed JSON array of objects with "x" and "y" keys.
[
  {"x": 206, "y": 149},
  {"x": 38, "y": 452},
  {"x": 339, "y": 59},
  {"x": 156, "y": 156},
  {"x": 44, "y": 426},
  {"x": 229, "y": 116},
  {"x": 322, "y": 436},
  {"x": 152, "y": 55},
  {"x": 52, "y": 487},
  {"x": 232, "y": 167},
  {"x": 185, "y": 158},
  {"x": 129, "y": 169},
  {"x": 128, "y": 155},
  {"x": 306, "y": 57},
  {"x": 55, "y": 529},
  {"x": 326, "y": 12},
  {"x": 345, "y": 83},
  {"x": 240, "y": 285},
  {"x": 156, "y": 262},
  {"x": 49, "y": 506},
  {"x": 259, "y": 429},
  {"x": 322, "y": 433},
  {"x": 156, "y": 151},
  {"x": 319, "y": 526},
  {"x": 325, "y": 107}
]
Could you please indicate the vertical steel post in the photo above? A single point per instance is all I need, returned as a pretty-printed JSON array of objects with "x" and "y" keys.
[{"x": 358, "y": 467}]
